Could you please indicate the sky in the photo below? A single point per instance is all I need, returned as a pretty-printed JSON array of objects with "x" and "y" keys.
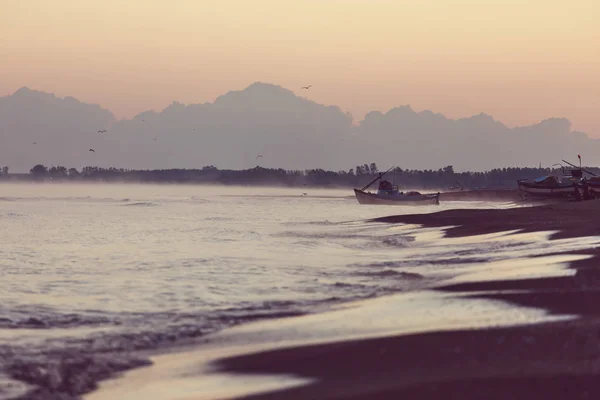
[{"x": 520, "y": 61}]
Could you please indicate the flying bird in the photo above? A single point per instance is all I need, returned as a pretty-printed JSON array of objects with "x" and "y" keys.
[
  {"x": 306, "y": 87},
  {"x": 92, "y": 150},
  {"x": 34, "y": 143},
  {"x": 259, "y": 156},
  {"x": 102, "y": 131}
]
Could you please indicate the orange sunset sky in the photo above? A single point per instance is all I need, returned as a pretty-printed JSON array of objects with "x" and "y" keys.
[{"x": 520, "y": 61}]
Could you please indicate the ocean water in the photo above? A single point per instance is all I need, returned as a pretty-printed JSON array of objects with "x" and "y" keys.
[{"x": 93, "y": 275}]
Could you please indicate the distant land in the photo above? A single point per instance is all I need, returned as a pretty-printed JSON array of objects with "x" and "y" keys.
[
  {"x": 443, "y": 179},
  {"x": 269, "y": 126}
]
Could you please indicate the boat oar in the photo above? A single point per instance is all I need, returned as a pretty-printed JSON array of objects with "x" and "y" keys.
[
  {"x": 575, "y": 166},
  {"x": 381, "y": 174}
]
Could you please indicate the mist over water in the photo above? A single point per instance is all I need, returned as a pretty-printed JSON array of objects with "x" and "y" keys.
[{"x": 90, "y": 270}]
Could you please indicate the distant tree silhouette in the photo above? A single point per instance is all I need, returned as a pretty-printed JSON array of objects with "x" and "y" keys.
[
  {"x": 72, "y": 172},
  {"x": 39, "y": 171},
  {"x": 57, "y": 172},
  {"x": 443, "y": 178}
]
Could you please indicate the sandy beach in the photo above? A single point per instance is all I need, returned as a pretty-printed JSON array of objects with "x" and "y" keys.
[
  {"x": 555, "y": 359},
  {"x": 568, "y": 219}
]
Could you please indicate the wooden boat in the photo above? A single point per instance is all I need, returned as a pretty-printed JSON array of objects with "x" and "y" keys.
[
  {"x": 401, "y": 199},
  {"x": 594, "y": 186},
  {"x": 568, "y": 186},
  {"x": 547, "y": 187},
  {"x": 388, "y": 194},
  {"x": 587, "y": 188}
]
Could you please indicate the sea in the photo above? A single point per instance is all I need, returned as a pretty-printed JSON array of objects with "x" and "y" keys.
[{"x": 93, "y": 275}]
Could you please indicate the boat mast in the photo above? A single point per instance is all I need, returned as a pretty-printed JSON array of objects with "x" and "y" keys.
[
  {"x": 381, "y": 174},
  {"x": 572, "y": 165}
]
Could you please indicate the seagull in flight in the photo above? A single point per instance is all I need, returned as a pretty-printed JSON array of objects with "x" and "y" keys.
[
  {"x": 102, "y": 131},
  {"x": 34, "y": 143},
  {"x": 92, "y": 150},
  {"x": 259, "y": 156},
  {"x": 306, "y": 87}
]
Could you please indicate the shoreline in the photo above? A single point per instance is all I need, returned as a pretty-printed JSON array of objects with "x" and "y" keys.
[
  {"x": 547, "y": 360},
  {"x": 554, "y": 360},
  {"x": 261, "y": 358},
  {"x": 569, "y": 220}
]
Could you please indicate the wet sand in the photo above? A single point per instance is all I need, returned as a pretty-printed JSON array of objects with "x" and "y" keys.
[
  {"x": 550, "y": 360},
  {"x": 556, "y": 360},
  {"x": 568, "y": 219}
]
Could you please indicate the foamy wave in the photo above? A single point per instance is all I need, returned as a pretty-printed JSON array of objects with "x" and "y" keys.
[
  {"x": 218, "y": 219},
  {"x": 423, "y": 262},
  {"x": 67, "y": 199},
  {"x": 67, "y": 375},
  {"x": 12, "y": 215},
  {"x": 392, "y": 273},
  {"x": 324, "y": 235},
  {"x": 200, "y": 200},
  {"x": 321, "y": 223},
  {"x": 48, "y": 321},
  {"x": 141, "y": 204},
  {"x": 398, "y": 241}
]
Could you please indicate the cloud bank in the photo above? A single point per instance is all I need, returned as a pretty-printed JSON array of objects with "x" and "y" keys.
[{"x": 289, "y": 132}]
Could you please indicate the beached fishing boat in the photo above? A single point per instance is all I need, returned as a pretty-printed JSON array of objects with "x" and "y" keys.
[
  {"x": 588, "y": 188},
  {"x": 592, "y": 186},
  {"x": 389, "y": 194},
  {"x": 565, "y": 187},
  {"x": 547, "y": 187},
  {"x": 403, "y": 199}
]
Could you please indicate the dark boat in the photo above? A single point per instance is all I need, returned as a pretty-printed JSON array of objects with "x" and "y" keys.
[
  {"x": 549, "y": 186},
  {"x": 589, "y": 188},
  {"x": 569, "y": 186},
  {"x": 388, "y": 194}
]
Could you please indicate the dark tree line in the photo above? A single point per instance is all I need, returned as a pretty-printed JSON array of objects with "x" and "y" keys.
[{"x": 443, "y": 178}]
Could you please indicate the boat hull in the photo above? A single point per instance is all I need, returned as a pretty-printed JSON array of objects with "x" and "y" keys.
[
  {"x": 590, "y": 189},
  {"x": 528, "y": 190},
  {"x": 402, "y": 200}
]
